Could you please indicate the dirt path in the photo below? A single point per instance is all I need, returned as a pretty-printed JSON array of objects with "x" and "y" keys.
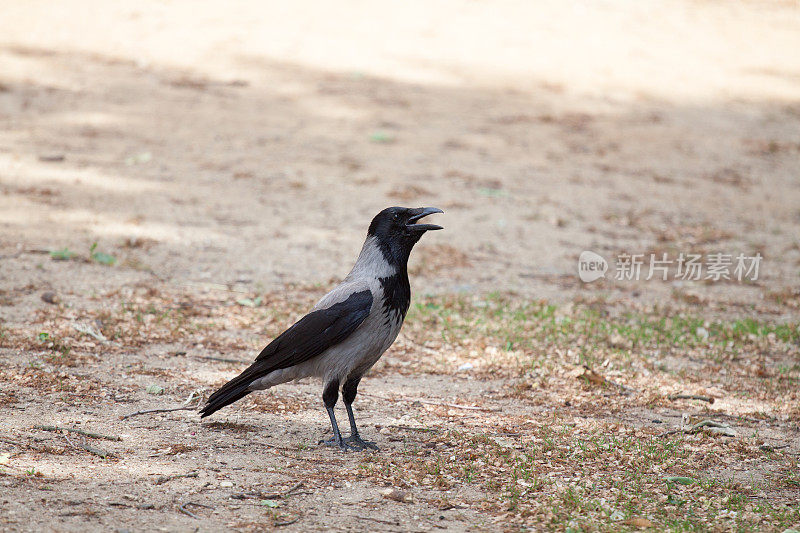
[{"x": 189, "y": 149}]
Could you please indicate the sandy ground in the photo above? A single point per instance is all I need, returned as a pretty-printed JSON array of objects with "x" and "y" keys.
[
  {"x": 239, "y": 143},
  {"x": 242, "y": 149}
]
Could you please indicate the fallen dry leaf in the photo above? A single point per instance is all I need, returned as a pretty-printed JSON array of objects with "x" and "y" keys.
[
  {"x": 396, "y": 495},
  {"x": 587, "y": 374},
  {"x": 638, "y": 522}
]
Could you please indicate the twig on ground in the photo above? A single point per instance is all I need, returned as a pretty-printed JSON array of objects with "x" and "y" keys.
[
  {"x": 28, "y": 251},
  {"x": 411, "y": 428},
  {"x": 204, "y": 506},
  {"x": 221, "y": 359},
  {"x": 716, "y": 427},
  {"x": 708, "y": 399},
  {"x": 80, "y": 432},
  {"x": 187, "y": 512},
  {"x": 95, "y": 451},
  {"x": 88, "y": 330},
  {"x": 91, "y": 449},
  {"x": 182, "y": 508},
  {"x": 150, "y": 411},
  {"x": 184, "y": 407},
  {"x": 164, "y": 479},
  {"x": 428, "y": 402},
  {"x": 260, "y": 495},
  {"x": 119, "y": 504},
  {"x": 286, "y": 523},
  {"x": 622, "y": 387},
  {"x": 66, "y": 438},
  {"x": 769, "y": 448},
  {"x": 140, "y": 506},
  {"x": 379, "y": 520}
]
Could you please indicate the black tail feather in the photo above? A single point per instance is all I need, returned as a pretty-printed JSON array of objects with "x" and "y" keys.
[{"x": 234, "y": 390}]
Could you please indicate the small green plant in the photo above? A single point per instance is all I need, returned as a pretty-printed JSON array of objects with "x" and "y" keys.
[
  {"x": 248, "y": 302},
  {"x": 492, "y": 192},
  {"x": 62, "y": 255},
  {"x": 381, "y": 137},
  {"x": 54, "y": 344},
  {"x": 101, "y": 257}
]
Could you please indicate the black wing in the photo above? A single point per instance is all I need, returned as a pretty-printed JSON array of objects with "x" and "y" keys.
[{"x": 306, "y": 339}]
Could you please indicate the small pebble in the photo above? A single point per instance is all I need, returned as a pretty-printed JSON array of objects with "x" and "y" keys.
[{"x": 50, "y": 297}]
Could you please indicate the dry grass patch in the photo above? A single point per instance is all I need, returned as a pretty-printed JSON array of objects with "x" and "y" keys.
[{"x": 556, "y": 417}]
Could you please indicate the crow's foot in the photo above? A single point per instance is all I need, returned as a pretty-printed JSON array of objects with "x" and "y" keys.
[
  {"x": 352, "y": 442},
  {"x": 340, "y": 443},
  {"x": 355, "y": 440}
]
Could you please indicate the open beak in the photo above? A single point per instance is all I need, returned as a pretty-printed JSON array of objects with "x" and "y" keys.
[{"x": 421, "y": 212}]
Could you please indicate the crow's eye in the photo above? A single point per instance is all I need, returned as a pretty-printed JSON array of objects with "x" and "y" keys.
[{"x": 397, "y": 216}]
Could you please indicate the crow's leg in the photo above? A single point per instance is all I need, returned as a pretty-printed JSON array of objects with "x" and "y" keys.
[
  {"x": 329, "y": 395},
  {"x": 349, "y": 391}
]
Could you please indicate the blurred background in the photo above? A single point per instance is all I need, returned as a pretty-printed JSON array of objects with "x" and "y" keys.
[{"x": 241, "y": 143}]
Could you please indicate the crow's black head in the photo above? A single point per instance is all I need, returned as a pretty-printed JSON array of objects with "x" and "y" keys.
[{"x": 397, "y": 231}]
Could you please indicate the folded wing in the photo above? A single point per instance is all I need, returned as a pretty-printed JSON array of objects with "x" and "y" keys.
[{"x": 311, "y": 336}]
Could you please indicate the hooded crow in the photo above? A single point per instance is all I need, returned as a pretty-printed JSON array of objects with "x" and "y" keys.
[{"x": 349, "y": 328}]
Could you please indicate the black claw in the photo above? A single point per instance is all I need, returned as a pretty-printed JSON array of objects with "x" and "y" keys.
[
  {"x": 343, "y": 444},
  {"x": 364, "y": 444}
]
